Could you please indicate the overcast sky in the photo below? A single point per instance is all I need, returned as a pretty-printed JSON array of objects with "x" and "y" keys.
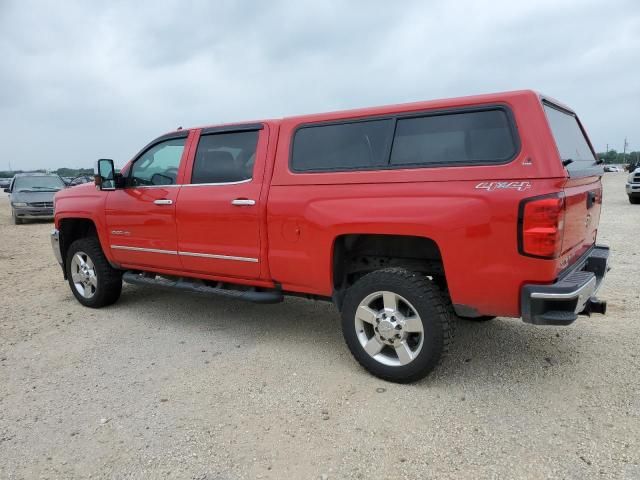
[{"x": 83, "y": 80}]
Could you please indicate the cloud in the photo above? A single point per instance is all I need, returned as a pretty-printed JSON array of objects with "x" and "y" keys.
[{"x": 87, "y": 80}]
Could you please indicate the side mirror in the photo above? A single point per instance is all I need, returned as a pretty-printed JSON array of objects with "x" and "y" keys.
[
  {"x": 160, "y": 179},
  {"x": 6, "y": 190},
  {"x": 104, "y": 173}
]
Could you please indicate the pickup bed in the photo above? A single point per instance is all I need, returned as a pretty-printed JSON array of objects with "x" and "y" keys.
[{"x": 405, "y": 216}]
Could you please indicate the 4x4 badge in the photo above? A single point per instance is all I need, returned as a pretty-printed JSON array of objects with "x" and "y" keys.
[{"x": 491, "y": 186}]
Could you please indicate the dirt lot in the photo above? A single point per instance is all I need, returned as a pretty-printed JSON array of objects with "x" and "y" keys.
[{"x": 172, "y": 385}]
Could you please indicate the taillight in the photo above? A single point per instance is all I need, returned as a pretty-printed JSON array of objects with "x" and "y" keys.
[{"x": 541, "y": 226}]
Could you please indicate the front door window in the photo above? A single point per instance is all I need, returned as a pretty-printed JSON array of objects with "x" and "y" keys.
[{"x": 158, "y": 165}]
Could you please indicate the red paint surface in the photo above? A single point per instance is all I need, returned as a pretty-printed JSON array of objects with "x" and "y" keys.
[{"x": 297, "y": 217}]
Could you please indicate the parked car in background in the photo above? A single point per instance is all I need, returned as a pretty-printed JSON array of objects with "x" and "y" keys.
[
  {"x": 5, "y": 182},
  {"x": 31, "y": 195},
  {"x": 80, "y": 180},
  {"x": 612, "y": 168},
  {"x": 633, "y": 186},
  {"x": 404, "y": 216}
]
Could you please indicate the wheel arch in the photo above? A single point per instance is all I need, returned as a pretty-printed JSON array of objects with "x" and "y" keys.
[
  {"x": 73, "y": 228},
  {"x": 355, "y": 254}
]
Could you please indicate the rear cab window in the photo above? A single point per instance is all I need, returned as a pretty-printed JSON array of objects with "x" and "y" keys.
[
  {"x": 571, "y": 141},
  {"x": 479, "y": 136}
]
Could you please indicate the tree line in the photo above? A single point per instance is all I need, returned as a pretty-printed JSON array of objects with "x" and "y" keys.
[
  {"x": 63, "y": 172},
  {"x": 612, "y": 156}
]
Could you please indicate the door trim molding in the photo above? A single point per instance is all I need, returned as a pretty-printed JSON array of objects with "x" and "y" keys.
[
  {"x": 219, "y": 257},
  {"x": 139, "y": 249},
  {"x": 185, "y": 254}
]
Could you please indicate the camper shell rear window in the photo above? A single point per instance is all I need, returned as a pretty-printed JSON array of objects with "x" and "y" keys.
[{"x": 573, "y": 147}]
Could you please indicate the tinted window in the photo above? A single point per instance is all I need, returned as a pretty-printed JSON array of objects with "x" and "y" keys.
[
  {"x": 225, "y": 157},
  {"x": 158, "y": 165},
  {"x": 570, "y": 140},
  {"x": 346, "y": 146},
  {"x": 470, "y": 137}
]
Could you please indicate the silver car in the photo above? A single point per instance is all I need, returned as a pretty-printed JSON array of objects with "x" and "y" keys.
[{"x": 31, "y": 195}]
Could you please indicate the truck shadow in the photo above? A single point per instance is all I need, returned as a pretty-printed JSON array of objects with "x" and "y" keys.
[
  {"x": 34, "y": 221},
  {"x": 481, "y": 350}
]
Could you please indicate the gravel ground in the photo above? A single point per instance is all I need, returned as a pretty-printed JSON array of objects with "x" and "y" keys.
[{"x": 177, "y": 386}]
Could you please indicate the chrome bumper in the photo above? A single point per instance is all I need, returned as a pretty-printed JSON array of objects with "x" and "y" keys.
[
  {"x": 632, "y": 188},
  {"x": 55, "y": 244},
  {"x": 574, "y": 293}
]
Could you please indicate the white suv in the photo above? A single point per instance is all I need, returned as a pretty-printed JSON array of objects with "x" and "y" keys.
[{"x": 633, "y": 186}]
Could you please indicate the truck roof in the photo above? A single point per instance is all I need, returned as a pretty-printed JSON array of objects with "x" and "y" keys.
[{"x": 382, "y": 109}]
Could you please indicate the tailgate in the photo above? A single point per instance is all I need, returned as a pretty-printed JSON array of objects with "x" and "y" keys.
[
  {"x": 583, "y": 201},
  {"x": 582, "y": 189}
]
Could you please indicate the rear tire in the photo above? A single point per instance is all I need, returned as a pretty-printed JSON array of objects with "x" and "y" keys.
[
  {"x": 93, "y": 281},
  {"x": 634, "y": 200},
  {"x": 396, "y": 324}
]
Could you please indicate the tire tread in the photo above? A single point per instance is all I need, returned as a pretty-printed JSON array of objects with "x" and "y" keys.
[
  {"x": 109, "y": 279},
  {"x": 425, "y": 291}
]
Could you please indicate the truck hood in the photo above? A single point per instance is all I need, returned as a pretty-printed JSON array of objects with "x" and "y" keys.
[{"x": 77, "y": 190}]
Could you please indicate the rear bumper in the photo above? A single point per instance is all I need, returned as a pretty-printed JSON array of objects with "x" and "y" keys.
[{"x": 574, "y": 293}]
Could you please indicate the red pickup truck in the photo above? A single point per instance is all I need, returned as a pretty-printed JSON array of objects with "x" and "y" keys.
[{"x": 405, "y": 216}]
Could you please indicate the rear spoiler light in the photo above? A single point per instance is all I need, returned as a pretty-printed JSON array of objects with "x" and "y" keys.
[{"x": 541, "y": 226}]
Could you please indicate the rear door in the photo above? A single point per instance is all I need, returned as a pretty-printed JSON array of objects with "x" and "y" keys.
[
  {"x": 218, "y": 211},
  {"x": 583, "y": 188}
]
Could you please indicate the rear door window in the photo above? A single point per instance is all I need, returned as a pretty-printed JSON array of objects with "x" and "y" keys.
[
  {"x": 573, "y": 147},
  {"x": 225, "y": 157}
]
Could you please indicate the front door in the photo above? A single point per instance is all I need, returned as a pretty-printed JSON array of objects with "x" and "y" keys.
[
  {"x": 219, "y": 209},
  {"x": 141, "y": 217}
]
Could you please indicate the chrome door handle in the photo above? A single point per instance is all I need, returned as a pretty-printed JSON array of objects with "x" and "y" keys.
[
  {"x": 243, "y": 202},
  {"x": 163, "y": 201}
]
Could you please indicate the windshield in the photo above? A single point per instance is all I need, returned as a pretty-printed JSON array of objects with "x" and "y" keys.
[
  {"x": 573, "y": 147},
  {"x": 38, "y": 183}
]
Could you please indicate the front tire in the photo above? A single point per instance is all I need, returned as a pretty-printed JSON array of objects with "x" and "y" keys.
[
  {"x": 396, "y": 324},
  {"x": 634, "y": 200},
  {"x": 93, "y": 281}
]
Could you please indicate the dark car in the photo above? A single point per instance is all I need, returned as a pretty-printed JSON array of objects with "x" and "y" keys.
[
  {"x": 31, "y": 195},
  {"x": 5, "y": 182},
  {"x": 80, "y": 180}
]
